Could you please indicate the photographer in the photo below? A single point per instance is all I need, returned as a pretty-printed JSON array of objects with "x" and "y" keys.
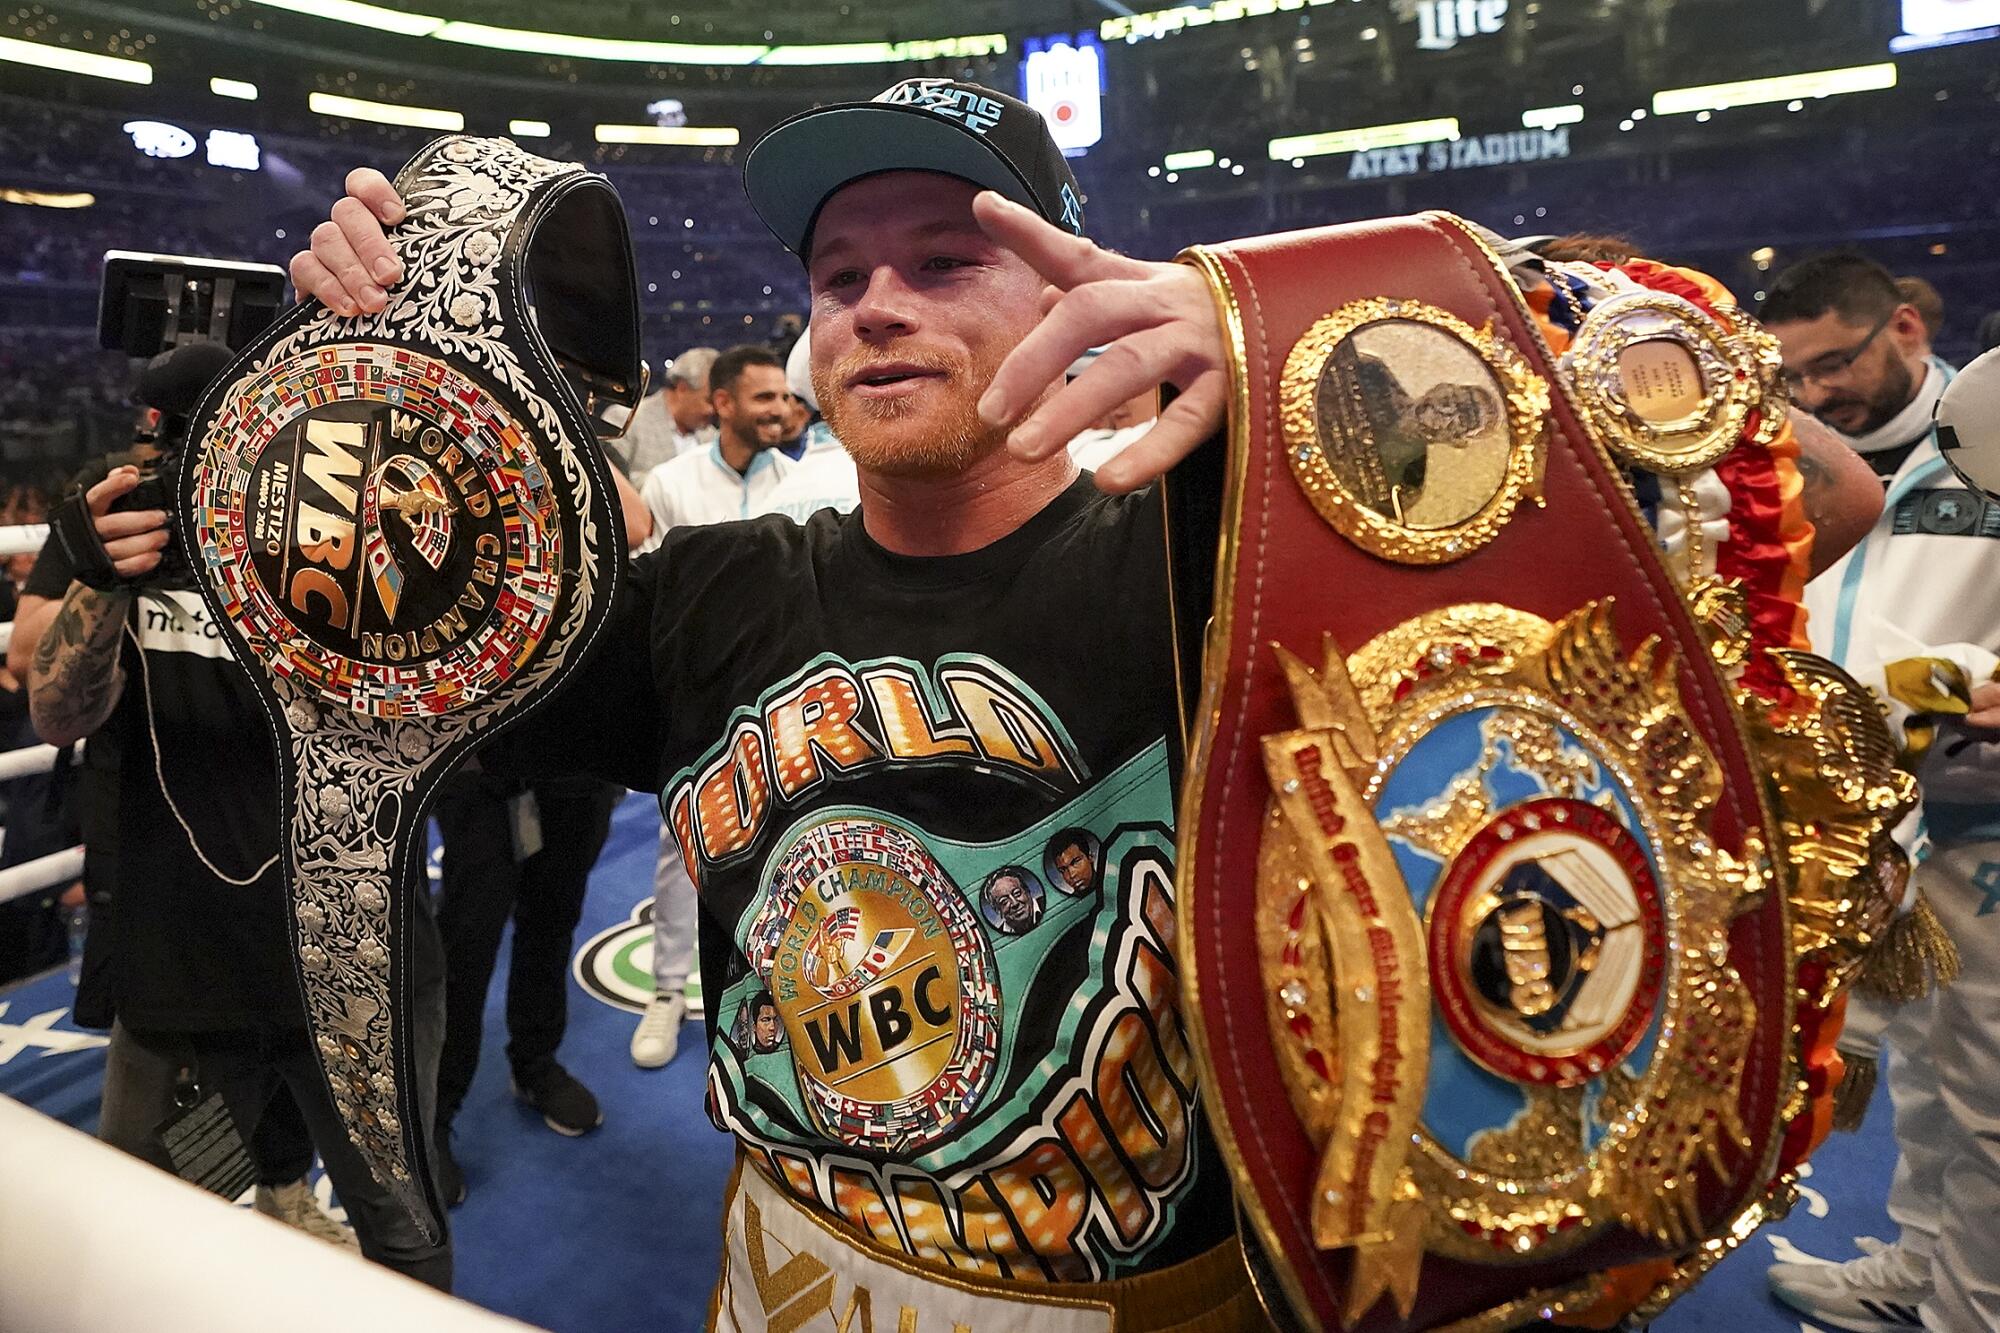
[{"x": 118, "y": 647}]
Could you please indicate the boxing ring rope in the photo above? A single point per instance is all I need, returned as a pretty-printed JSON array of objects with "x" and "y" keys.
[
  {"x": 58, "y": 867},
  {"x": 44, "y": 872},
  {"x": 22, "y": 538},
  {"x": 91, "y": 1239}
]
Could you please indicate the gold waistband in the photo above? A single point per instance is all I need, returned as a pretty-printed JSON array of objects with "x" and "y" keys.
[{"x": 1210, "y": 1293}]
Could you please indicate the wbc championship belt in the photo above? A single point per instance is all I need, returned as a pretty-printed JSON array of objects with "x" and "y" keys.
[
  {"x": 405, "y": 523},
  {"x": 1524, "y": 855}
]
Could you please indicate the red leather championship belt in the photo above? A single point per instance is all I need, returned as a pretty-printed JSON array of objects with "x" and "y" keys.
[{"x": 1508, "y": 849}]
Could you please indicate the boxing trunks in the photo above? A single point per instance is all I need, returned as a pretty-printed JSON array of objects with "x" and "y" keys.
[{"x": 785, "y": 1266}]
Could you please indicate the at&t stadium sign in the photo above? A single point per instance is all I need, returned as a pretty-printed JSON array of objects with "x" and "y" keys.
[{"x": 1486, "y": 150}]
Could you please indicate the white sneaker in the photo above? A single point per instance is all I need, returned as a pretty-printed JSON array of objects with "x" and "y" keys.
[
  {"x": 295, "y": 1206},
  {"x": 1878, "y": 1293},
  {"x": 658, "y": 1037}
]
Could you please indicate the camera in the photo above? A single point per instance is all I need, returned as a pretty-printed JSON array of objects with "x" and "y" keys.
[{"x": 189, "y": 317}]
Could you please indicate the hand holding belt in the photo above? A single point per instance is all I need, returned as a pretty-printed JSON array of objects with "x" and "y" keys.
[
  {"x": 407, "y": 527},
  {"x": 1464, "y": 750}
]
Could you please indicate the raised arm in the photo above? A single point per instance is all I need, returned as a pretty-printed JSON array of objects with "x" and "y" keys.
[
  {"x": 1842, "y": 497},
  {"x": 1156, "y": 322}
]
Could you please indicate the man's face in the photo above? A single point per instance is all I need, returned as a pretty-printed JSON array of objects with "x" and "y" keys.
[
  {"x": 1451, "y": 413},
  {"x": 1013, "y": 902},
  {"x": 752, "y": 410},
  {"x": 690, "y": 407},
  {"x": 913, "y": 310},
  {"x": 797, "y": 414},
  {"x": 1073, "y": 864},
  {"x": 1865, "y": 394},
  {"x": 765, "y": 1029}
]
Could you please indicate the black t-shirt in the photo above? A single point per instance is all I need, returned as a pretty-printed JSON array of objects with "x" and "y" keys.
[
  {"x": 929, "y": 804},
  {"x": 189, "y": 951}
]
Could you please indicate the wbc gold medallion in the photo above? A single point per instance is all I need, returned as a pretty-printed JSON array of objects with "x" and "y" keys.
[
  {"x": 372, "y": 464},
  {"x": 885, "y": 988}
]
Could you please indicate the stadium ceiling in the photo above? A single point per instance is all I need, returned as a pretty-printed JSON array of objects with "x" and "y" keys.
[{"x": 776, "y": 21}]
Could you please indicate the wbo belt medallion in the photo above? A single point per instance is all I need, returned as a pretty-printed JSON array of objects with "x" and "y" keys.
[
  {"x": 1511, "y": 853},
  {"x": 406, "y": 527}
]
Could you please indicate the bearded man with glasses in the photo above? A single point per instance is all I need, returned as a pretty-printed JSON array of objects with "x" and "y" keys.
[{"x": 1914, "y": 613}]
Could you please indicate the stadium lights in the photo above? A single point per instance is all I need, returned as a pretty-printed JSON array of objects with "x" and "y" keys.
[
  {"x": 1549, "y": 117},
  {"x": 17, "y": 52},
  {"x": 692, "y": 136},
  {"x": 237, "y": 88},
  {"x": 379, "y": 19},
  {"x": 385, "y": 113},
  {"x": 528, "y": 129},
  {"x": 1188, "y": 161},
  {"x": 887, "y": 53},
  {"x": 1162, "y": 22},
  {"x": 46, "y": 198},
  {"x": 594, "y": 48},
  {"x": 1365, "y": 138},
  {"x": 1785, "y": 87}
]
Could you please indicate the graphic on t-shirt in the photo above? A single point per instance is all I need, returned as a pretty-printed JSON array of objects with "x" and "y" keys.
[
  {"x": 832, "y": 721},
  {"x": 1069, "y": 862},
  {"x": 1011, "y": 900},
  {"x": 982, "y": 1060},
  {"x": 758, "y": 1027},
  {"x": 884, "y": 983}
]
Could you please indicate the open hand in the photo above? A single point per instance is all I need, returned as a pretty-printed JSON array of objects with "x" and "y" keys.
[{"x": 1156, "y": 323}]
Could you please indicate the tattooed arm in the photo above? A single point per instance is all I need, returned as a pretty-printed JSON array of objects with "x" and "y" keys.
[
  {"x": 73, "y": 673},
  {"x": 1842, "y": 498},
  {"x": 75, "y": 679}
]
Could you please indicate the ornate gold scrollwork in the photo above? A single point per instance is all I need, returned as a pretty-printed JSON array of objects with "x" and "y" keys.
[{"x": 1506, "y": 820}]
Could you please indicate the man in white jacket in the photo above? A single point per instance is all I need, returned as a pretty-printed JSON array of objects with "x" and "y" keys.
[
  {"x": 1914, "y": 613},
  {"x": 730, "y": 479}
]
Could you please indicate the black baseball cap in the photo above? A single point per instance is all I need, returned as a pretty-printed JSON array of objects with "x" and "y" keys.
[{"x": 960, "y": 129}]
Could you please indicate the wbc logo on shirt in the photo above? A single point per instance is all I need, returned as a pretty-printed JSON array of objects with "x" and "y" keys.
[{"x": 884, "y": 984}]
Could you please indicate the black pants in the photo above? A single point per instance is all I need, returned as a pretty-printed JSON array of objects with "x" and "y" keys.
[
  {"x": 282, "y": 1147},
  {"x": 248, "y": 1068},
  {"x": 483, "y": 884}
]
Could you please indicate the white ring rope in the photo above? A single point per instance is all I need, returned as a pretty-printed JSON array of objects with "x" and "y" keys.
[
  {"x": 30, "y": 760},
  {"x": 44, "y": 872},
  {"x": 23, "y": 538},
  {"x": 98, "y": 1240}
]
